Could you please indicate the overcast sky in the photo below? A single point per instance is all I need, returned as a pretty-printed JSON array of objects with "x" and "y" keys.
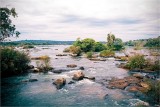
[{"x": 70, "y": 19}]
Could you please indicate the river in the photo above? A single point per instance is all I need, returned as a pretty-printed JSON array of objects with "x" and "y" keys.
[{"x": 84, "y": 93}]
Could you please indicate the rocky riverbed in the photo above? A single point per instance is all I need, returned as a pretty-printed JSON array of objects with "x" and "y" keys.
[{"x": 76, "y": 81}]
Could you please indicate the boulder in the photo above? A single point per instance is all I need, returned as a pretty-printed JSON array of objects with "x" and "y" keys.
[
  {"x": 132, "y": 88},
  {"x": 35, "y": 70},
  {"x": 138, "y": 75},
  {"x": 81, "y": 68},
  {"x": 132, "y": 80},
  {"x": 78, "y": 76},
  {"x": 119, "y": 83},
  {"x": 136, "y": 89},
  {"x": 145, "y": 85},
  {"x": 59, "y": 83},
  {"x": 71, "y": 65}
]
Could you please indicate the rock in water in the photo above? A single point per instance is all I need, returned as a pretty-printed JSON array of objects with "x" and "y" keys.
[
  {"x": 78, "y": 75},
  {"x": 81, "y": 68},
  {"x": 33, "y": 80},
  {"x": 72, "y": 66},
  {"x": 71, "y": 82},
  {"x": 59, "y": 83}
]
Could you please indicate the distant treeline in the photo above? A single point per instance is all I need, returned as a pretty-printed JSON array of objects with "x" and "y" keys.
[
  {"x": 37, "y": 42},
  {"x": 152, "y": 42}
]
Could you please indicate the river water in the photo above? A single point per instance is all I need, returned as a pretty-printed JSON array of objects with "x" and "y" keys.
[{"x": 84, "y": 93}]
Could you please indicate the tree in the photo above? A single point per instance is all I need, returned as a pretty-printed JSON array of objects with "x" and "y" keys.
[
  {"x": 7, "y": 29},
  {"x": 114, "y": 43},
  {"x": 118, "y": 44},
  {"x": 110, "y": 40},
  {"x": 99, "y": 47},
  {"x": 87, "y": 44}
]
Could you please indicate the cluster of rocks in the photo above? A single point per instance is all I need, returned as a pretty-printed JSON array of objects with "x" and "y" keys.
[
  {"x": 77, "y": 76},
  {"x": 131, "y": 83}
]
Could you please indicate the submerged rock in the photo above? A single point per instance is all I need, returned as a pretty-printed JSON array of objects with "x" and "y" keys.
[
  {"x": 71, "y": 82},
  {"x": 138, "y": 75},
  {"x": 29, "y": 80},
  {"x": 30, "y": 67},
  {"x": 59, "y": 83},
  {"x": 78, "y": 75},
  {"x": 61, "y": 55},
  {"x": 119, "y": 83},
  {"x": 90, "y": 78},
  {"x": 97, "y": 59},
  {"x": 33, "y": 80},
  {"x": 71, "y": 65}
]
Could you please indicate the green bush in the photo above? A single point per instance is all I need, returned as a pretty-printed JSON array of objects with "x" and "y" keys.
[
  {"x": 99, "y": 47},
  {"x": 13, "y": 62},
  {"x": 28, "y": 46},
  {"x": 75, "y": 50},
  {"x": 136, "y": 61},
  {"x": 107, "y": 53},
  {"x": 155, "y": 66},
  {"x": 89, "y": 54},
  {"x": 66, "y": 50},
  {"x": 44, "y": 63},
  {"x": 154, "y": 92}
]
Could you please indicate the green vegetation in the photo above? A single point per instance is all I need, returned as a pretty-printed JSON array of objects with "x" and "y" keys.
[
  {"x": 152, "y": 43},
  {"x": 98, "y": 46},
  {"x": 75, "y": 50},
  {"x": 154, "y": 91},
  {"x": 6, "y": 27},
  {"x": 89, "y": 54},
  {"x": 139, "y": 62},
  {"x": 107, "y": 53},
  {"x": 114, "y": 43},
  {"x": 13, "y": 62},
  {"x": 89, "y": 44},
  {"x": 28, "y": 46},
  {"x": 138, "y": 45},
  {"x": 155, "y": 42},
  {"x": 44, "y": 63},
  {"x": 136, "y": 61}
]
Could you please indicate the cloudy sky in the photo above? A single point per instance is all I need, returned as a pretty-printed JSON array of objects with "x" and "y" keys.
[{"x": 70, "y": 19}]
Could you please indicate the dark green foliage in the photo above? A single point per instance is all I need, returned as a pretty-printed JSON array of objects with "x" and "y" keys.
[
  {"x": 114, "y": 43},
  {"x": 28, "y": 46},
  {"x": 155, "y": 42},
  {"x": 118, "y": 44},
  {"x": 107, "y": 53},
  {"x": 13, "y": 62},
  {"x": 99, "y": 47},
  {"x": 89, "y": 54},
  {"x": 136, "y": 61},
  {"x": 6, "y": 27},
  {"x": 87, "y": 45}
]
